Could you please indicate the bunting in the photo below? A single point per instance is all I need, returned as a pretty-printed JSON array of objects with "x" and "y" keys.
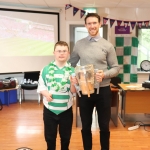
[
  {"x": 146, "y": 23},
  {"x": 126, "y": 24},
  {"x": 119, "y": 23},
  {"x": 111, "y": 21},
  {"x": 82, "y": 13},
  {"x": 105, "y": 20},
  {"x": 139, "y": 24},
  {"x": 133, "y": 24},
  {"x": 75, "y": 10},
  {"x": 68, "y": 6}
]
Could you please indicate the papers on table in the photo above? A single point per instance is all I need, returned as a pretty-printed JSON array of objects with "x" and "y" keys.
[{"x": 135, "y": 87}]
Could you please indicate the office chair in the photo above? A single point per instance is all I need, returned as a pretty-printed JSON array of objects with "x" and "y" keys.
[
  {"x": 115, "y": 81},
  {"x": 32, "y": 76}
]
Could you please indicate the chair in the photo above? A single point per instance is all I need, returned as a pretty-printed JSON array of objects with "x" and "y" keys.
[
  {"x": 34, "y": 76},
  {"x": 115, "y": 81}
]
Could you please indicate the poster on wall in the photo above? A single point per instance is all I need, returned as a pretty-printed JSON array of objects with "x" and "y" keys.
[{"x": 122, "y": 30}]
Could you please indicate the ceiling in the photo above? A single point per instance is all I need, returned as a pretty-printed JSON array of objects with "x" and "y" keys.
[{"x": 56, "y": 4}]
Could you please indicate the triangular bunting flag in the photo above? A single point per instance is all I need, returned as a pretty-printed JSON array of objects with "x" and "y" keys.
[
  {"x": 126, "y": 24},
  {"x": 68, "y": 6},
  {"x": 82, "y": 13},
  {"x": 119, "y": 22},
  {"x": 105, "y": 20},
  {"x": 132, "y": 24},
  {"x": 75, "y": 10},
  {"x": 111, "y": 22},
  {"x": 146, "y": 23},
  {"x": 139, "y": 24}
]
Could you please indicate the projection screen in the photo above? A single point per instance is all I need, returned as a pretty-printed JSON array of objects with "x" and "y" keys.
[{"x": 27, "y": 39}]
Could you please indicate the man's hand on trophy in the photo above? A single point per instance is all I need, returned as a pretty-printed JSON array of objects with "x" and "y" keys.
[{"x": 99, "y": 75}]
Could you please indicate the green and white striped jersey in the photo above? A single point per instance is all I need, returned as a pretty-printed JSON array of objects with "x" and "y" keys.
[{"x": 62, "y": 99}]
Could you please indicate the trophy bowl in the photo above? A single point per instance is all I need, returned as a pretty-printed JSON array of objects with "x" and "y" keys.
[{"x": 85, "y": 77}]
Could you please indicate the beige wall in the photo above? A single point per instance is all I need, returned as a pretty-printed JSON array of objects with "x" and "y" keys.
[
  {"x": 125, "y": 14},
  {"x": 67, "y": 18}
]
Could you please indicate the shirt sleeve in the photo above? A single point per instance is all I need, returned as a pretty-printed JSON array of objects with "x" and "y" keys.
[
  {"x": 112, "y": 63},
  {"x": 74, "y": 58},
  {"x": 41, "y": 84}
]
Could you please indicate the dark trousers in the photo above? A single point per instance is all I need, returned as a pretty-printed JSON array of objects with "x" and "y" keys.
[
  {"x": 102, "y": 102},
  {"x": 51, "y": 123}
]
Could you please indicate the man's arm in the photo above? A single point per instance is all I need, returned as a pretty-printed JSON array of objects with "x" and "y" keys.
[
  {"x": 42, "y": 88},
  {"x": 74, "y": 58},
  {"x": 113, "y": 64}
]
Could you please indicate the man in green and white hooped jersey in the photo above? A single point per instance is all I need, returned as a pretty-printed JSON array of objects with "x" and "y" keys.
[{"x": 57, "y": 87}]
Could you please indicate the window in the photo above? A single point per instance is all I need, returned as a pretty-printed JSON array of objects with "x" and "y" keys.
[
  {"x": 81, "y": 32},
  {"x": 143, "y": 35},
  {"x": 78, "y": 32}
]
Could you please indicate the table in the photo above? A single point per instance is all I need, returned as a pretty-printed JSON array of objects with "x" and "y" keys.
[
  {"x": 135, "y": 99},
  {"x": 114, "y": 106},
  {"x": 9, "y": 95}
]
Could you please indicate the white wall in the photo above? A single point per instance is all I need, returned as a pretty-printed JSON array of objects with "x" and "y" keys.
[
  {"x": 143, "y": 77},
  {"x": 32, "y": 94},
  {"x": 124, "y": 14},
  {"x": 67, "y": 18}
]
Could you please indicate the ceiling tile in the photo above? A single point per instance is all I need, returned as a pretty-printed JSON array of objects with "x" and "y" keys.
[
  {"x": 56, "y": 3},
  {"x": 34, "y": 2},
  {"x": 145, "y": 5},
  {"x": 10, "y": 1},
  {"x": 106, "y": 3},
  {"x": 130, "y": 3},
  {"x": 82, "y": 5},
  {"x": 78, "y": 3}
]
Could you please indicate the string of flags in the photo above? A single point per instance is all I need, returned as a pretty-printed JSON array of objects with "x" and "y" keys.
[
  {"x": 126, "y": 23},
  {"x": 111, "y": 21},
  {"x": 75, "y": 10}
]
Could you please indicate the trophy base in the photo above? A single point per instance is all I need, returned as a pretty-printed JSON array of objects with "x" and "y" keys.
[{"x": 86, "y": 93}]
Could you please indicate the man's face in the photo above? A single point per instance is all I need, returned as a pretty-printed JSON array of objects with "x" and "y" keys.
[
  {"x": 92, "y": 26},
  {"x": 61, "y": 53}
]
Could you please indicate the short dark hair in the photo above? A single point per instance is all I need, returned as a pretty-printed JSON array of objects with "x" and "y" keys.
[
  {"x": 92, "y": 15},
  {"x": 61, "y": 43}
]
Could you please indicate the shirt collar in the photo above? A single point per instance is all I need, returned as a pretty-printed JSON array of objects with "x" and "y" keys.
[
  {"x": 95, "y": 39},
  {"x": 66, "y": 65}
]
